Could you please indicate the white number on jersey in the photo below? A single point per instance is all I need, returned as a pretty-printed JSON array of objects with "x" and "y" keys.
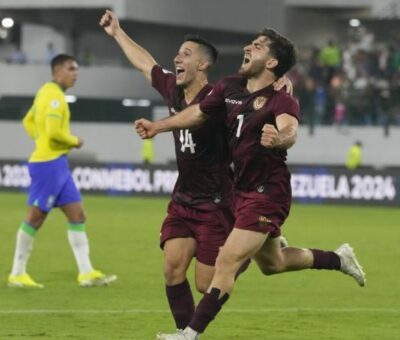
[
  {"x": 186, "y": 140},
  {"x": 240, "y": 117}
]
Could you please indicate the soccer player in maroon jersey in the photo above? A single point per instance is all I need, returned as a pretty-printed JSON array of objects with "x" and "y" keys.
[
  {"x": 262, "y": 125},
  {"x": 200, "y": 214}
]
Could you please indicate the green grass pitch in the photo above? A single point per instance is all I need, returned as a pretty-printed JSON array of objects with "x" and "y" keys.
[{"x": 124, "y": 240}]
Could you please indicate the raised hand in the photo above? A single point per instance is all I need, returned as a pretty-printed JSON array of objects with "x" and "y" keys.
[
  {"x": 269, "y": 136},
  {"x": 109, "y": 21}
]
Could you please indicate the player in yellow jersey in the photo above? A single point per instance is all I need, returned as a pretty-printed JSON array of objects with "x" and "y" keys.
[{"x": 48, "y": 124}]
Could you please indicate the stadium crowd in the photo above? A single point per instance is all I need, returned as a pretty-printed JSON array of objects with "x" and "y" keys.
[{"x": 355, "y": 83}]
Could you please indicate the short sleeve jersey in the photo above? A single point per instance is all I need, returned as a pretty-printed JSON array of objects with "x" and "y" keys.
[
  {"x": 256, "y": 168},
  {"x": 202, "y": 154},
  {"x": 50, "y": 103}
]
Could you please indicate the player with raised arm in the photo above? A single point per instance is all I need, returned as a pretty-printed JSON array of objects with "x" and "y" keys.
[
  {"x": 262, "y": 125},
  {"x": 48, "y": 124},
  {"x": 200, "y": 214}
]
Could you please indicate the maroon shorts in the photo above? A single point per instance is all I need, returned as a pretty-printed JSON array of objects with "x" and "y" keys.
[
  {"x": 258, "y": 212},
  {"x": 209, "y": 228}
]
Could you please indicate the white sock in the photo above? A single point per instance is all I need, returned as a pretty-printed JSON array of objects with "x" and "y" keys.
[
  {"x": 191, "y": 333},
  {"x": 80, "y": 246},
  {"x": 25, "y": 237}
]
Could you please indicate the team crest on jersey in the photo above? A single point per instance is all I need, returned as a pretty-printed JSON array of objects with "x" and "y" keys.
[
  {"x": 259, "y": 102},
  {"x": 263, "y": 221},
  {"x": 55, "y": 104}
]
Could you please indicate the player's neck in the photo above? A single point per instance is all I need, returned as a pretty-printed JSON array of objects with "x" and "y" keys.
[
  {"x": 62, "y": 87},
  {"x": 256, "y": 83},
  {"x": 192, "y": 90}
]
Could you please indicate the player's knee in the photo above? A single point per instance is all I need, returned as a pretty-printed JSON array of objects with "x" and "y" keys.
[
  {"x": 36, "y": 218},
  {"x": 81, "y": 216},
  {"x": 78, "y": 217},
  {"x": 35, "y": 223},
  {"x": 202, "y": 286},
  {"x": 272, "y": 268},
  {"x": 173, "y": 271},
  {"x": 226, "y": 260}
]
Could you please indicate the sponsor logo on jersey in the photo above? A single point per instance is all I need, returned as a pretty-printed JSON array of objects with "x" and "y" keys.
[
  {"x": 233, "y": 101},
  {"x": 259, "y": 102},
  {"x": 263, "y": 221}
]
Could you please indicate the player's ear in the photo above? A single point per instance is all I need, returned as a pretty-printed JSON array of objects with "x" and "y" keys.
[
  {"x": 271, "y": 63},
  {"x": 204, "y": 65}
]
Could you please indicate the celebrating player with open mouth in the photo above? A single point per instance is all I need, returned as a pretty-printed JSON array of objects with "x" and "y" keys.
[{"x": 262, "y": 124}]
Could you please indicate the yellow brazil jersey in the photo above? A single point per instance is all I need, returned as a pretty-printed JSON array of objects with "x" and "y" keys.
[{"x": 48, "y": 124}]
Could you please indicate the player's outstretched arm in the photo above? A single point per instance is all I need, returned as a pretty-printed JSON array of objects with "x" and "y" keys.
[
  {"x": 140, "y": 58},
  {"x": 283, "y": 136},
  {"x": 188, "y": 118}
]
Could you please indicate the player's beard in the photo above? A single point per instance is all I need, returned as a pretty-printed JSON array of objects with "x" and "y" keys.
[{"x": 256, "y": 68}]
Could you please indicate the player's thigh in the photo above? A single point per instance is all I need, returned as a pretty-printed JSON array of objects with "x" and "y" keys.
[
  {"x": 178, "y": 253},
  {"x": 240, "y": 245}
]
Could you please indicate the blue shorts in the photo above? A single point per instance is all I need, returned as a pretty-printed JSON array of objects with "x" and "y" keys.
[{"x": 52, "y": 184}]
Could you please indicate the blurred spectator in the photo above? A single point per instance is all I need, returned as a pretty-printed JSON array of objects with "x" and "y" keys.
[
  {"x": 50, "y": 52},
  {"x": 148, "y": 151},
  {"x": 331, "y": 59},
  {"x": 354, "y": 156},
  {"x": 340, "y": 113},
  {"x": 88, "y": 58},
  {"x": 17, "y": 56},
  {"x": 319, "y": 104}
]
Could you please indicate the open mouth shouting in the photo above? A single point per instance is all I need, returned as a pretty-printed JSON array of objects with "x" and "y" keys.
[{"x": 179, "y": 72}]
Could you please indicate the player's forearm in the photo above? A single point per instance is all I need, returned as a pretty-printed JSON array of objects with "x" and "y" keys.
[
  {"x": 140, "y": 58},
  {"x": 188, "y": 118},
  {"x": 57, "y": 135},
  {"x": 287, "y": 137},
  {"x": 63, "y": 138}
]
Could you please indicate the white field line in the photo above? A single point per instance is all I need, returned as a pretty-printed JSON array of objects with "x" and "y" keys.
[{"x": 232, "y": 311}]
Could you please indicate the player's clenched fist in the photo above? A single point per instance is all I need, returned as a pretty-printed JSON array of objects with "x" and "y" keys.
[
  {"x": 144, "y": 128},
  {"x": 269, "y": 136},
  {"x": 109, "y": 22}
]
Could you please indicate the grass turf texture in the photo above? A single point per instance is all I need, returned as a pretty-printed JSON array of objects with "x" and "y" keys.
[{"x": 124, "y": 240}]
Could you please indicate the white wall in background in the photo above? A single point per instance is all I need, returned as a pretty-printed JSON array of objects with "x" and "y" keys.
[
  {"x": 95, "y": 82},
  {"x": 34, "y": 40},
  {"x": 108, "y": 142}
]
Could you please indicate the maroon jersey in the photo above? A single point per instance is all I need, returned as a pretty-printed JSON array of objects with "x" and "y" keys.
[
  {"x": 256, "y": 168},
  {"x": 202, "y": 154}
]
